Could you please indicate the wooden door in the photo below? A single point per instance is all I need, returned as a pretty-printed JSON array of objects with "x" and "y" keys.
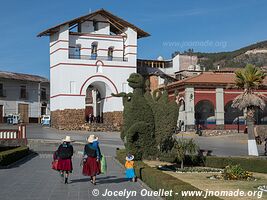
[
  {"x": 88, "y": 110},
  {"x": 1, "y": 113},
  {"x": 24, "y": 112}
]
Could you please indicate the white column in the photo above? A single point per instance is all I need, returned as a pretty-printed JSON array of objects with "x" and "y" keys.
[
  {"x": 94, "y": 101},
  {"x": 219, "y": 106},
  {"x": 189, "y": 106}
]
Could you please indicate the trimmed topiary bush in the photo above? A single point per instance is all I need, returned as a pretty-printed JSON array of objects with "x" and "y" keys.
[
  {"x": 138, "y": 130},
  {"x": 248, "y": 163},
  {"x": 10, "y": 156},
  {"x": 148, "y": 121},
  {"x": 165, "y": 118}
]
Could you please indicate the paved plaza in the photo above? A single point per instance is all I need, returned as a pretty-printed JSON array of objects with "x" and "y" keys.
[{"x": 34, "y": 179}]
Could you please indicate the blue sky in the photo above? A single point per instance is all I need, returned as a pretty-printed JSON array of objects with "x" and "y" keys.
[{"x": 174, "y": 25}]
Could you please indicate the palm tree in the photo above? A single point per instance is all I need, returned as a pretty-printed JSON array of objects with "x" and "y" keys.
[
  {"x": 250, "y": 79},
  {"x": 183, "y": 147}
]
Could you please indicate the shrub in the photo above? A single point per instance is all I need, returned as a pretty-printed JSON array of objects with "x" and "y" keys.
[
  {"x": 165, "y": 114},
  {"x": 12, "y": 155},
  {"x": 157, "y": 179},
  {"x": 248, "y": 163},
  {"x": 236, "y": 172},
  {"x": 138, "y": 131},
  {"x": 183, "y": 147}
]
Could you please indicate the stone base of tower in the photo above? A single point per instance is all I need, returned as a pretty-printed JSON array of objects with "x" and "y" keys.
[
  {"x": 68, "y": 119},
  {"x": 74, "y": 119}
]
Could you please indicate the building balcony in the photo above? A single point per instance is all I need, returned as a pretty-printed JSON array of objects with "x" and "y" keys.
[
  {"x": 95, "y": 57},
  {"x": 155, "y": 63}
]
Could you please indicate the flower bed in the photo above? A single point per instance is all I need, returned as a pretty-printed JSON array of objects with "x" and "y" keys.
[{"x": 156, "y": 179}]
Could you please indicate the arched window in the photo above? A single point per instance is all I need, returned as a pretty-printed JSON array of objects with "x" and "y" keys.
[
  {"x": 110, "y": 53},
  {"x": 182, "y": 105},
  {"x": 94, "y": 51},
  {"x": 232, "y": 115},
  {"x": 204, "y": 112}
]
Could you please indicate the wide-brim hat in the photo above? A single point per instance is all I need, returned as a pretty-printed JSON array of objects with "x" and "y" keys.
[
  {"x": 129, "y": 157},
  {"x": 92, "y": 138},
  {"x": 67, "y": 139}
]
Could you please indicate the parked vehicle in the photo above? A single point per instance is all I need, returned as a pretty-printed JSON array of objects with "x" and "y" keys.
[
  {"x": 13, "y": 119},
  {"x": 45, "y": 121}
]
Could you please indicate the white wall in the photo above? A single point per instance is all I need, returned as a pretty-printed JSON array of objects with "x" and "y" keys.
[
  {"x": 12, "y": 99},
  {"x": 63, "y": 70}
]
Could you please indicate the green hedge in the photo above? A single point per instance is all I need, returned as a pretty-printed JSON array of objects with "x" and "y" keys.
[
  {"x": 248, "y": 163},
  {"x": 157, "y": 179},
  {"x": 12, "y": 155}
]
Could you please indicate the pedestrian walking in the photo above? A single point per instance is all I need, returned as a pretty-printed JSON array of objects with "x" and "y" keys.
[
  {"x": 63, "y": 155},
  {"x": 91, "y": 160},
  {"x": 129, "y": 165}
]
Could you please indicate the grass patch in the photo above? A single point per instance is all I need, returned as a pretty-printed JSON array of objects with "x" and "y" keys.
[
  {"x": 201, "y": 181},
  {"x": 9, "y": 156},
  {"x": 157, "y": 179}
]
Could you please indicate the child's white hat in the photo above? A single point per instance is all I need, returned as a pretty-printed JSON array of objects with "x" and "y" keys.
[{"x": 129, "y": 157}]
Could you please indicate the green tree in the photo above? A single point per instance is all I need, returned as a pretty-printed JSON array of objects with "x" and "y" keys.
[
  {"x": 138, "y": 131},
  {"x": 183, "y": 147},
  {"x": 250, "y": 79},
  {"x": 165, "y": 114}
]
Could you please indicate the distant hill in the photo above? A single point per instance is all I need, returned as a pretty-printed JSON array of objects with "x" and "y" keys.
[{"x": 255, "y": 54}]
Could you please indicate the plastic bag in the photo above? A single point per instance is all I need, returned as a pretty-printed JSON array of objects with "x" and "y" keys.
[{"x": 103, "y": 163}]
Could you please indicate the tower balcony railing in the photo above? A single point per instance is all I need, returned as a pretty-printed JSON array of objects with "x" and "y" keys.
[{"x": 95, "y": 57}]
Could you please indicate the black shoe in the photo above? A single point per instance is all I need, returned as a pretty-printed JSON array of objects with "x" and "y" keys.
[{"x": 66, "y": 180}]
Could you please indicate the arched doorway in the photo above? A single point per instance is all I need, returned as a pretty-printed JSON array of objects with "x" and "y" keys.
[
  {"x": 232, "y": 115},
  {"x": 96, "y": 93},
  {"x": 260, "y": 116},
  {"x": 204, "y": 112},
  {"x": 98, "y": 100}
]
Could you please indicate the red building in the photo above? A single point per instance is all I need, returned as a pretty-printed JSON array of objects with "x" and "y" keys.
[{"x": 206, "y": 99}]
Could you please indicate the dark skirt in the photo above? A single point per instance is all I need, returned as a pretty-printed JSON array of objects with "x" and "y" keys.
[
  {"x": 65, "y": 165},
  {"x": 91, "y": 167}
]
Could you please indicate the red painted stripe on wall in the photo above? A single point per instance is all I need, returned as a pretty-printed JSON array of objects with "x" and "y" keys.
[
  {"x": 65, "y": 49},
  {"x": 130, "y": 54},
  {"x": 90, "y": 65},
  {"x": 66, "y": 95},
  {"x": 58, "y": 42},
  {"x": 102, "y": 76},
  {"x": 95, "y": 35}
]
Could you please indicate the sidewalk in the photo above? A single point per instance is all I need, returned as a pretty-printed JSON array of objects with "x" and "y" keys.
[{"x": 35, "y": 180}]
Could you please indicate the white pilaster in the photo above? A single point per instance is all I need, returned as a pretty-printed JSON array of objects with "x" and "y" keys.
[
  {"x": 189, "y": 106},
  {"x": 219, "y": 107}
]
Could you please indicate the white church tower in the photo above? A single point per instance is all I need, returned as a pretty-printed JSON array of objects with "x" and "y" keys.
[{"x": 90, "y": 58}]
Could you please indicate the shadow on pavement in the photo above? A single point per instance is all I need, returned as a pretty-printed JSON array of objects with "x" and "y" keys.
[{"x": 101, "y": 180}]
